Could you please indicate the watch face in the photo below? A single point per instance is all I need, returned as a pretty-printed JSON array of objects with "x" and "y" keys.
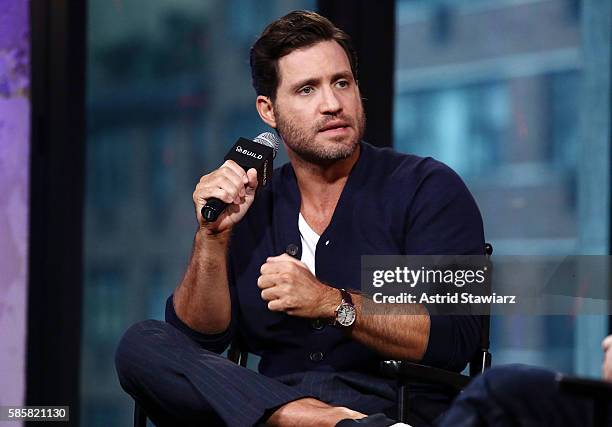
[{"x": 346, "y": 314}]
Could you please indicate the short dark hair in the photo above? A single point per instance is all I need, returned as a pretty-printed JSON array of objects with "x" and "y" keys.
[{"x": 293, "y": 31}]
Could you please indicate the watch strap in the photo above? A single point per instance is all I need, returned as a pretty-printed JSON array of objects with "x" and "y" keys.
[
  {"x": 346, "y": 300},
  {"x": 346, "y": 296}
]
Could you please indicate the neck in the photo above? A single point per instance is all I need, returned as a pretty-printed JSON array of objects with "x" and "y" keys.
[{"x": 322, "y": 182}]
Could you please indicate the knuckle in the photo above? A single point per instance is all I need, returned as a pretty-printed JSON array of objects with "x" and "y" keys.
[
  {"x": 198, "y": 195},
  {"x": 229, "y": 168}
]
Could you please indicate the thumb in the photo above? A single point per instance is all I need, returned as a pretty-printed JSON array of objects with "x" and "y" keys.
[{"x": 253, "y": 182}]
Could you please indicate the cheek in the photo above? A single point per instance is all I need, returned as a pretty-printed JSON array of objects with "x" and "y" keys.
[
  {"x": 353, "y": 101},
  {"x": 303, "y": 119},
  {"x": 295, "y": 113}
]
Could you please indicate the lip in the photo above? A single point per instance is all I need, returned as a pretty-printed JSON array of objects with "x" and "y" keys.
[
  {"x": 333, "y": 132},
  {"x": 334, "y": 126}
]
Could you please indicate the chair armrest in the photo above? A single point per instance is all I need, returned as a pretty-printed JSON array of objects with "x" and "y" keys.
[
  {"x": 405, "y": 370},
  {"x": 140, "y": 418},
  {"x": 593, "y": 389}
]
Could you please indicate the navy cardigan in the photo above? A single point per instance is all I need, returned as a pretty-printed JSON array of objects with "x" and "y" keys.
[{"x": 392, "y": 203}]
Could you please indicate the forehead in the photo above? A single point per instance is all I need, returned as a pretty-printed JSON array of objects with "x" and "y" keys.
[{"x": 320, "y": 60}]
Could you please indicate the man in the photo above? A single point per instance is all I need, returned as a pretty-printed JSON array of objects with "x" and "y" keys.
[
  {"x": 337, "y": 199},
  {"x": 528, "y": 396}
]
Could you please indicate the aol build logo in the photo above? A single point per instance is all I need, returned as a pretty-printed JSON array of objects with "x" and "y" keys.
[{"x": 241, "y": 150}]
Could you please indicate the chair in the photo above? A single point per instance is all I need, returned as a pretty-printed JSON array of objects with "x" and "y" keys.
[
  {"x": 140, "y": 417},
  {"x": 405, "y": 371},
  {"x": 599, "y": 392}
]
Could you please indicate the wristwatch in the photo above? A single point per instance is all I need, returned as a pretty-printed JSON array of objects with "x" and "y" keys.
[{"x": 345, "y": 312}]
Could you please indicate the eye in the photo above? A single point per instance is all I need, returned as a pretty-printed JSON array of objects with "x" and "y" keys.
[
  {"x": 342, "y": 84},
  {"x": 306, "y": 90}
]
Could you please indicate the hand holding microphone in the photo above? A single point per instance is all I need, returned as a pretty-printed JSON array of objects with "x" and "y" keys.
[{"x": 223, "y": 196}]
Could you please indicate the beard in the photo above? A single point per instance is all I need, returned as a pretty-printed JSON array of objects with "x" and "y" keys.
[{"x": 302, "y": 139}]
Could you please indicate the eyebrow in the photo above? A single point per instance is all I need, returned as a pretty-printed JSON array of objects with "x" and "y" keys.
[{"x": 313, "y": 81}]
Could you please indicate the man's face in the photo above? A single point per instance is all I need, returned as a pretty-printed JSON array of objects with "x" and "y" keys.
[{"x": 318, "y": 108}]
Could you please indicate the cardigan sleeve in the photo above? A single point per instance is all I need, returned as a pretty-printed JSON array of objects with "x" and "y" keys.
[{"x": 444, "y": 219}]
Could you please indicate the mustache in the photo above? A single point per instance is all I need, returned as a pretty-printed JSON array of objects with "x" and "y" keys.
[{"x": 325, "y": 121}]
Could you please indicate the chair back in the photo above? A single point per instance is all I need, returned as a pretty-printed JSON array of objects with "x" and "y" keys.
[
  {"x": 236, "y": 355},
  {"x": 482, "y": 359}
]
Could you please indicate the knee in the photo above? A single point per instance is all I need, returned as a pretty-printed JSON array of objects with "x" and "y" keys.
[
  {"x": 135, "y": 353},
  {"x": 519, "y": 381}
]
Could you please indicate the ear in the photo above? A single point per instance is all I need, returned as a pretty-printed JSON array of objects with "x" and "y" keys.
[{"x": 265, "y": 108}]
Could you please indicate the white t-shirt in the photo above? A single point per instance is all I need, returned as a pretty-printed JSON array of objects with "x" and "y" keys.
[{"x": 309, "y": 241}]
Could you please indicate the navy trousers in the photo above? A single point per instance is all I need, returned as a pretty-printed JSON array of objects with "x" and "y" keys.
[
  {"x": 517, "y": 396},
  {"x": 179, "y": 383}
]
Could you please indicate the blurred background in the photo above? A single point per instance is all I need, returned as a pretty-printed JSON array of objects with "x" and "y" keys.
[
  {"x": 504, "y": 92},
  {"x": 493, "y": 88},
  {"x": 168, "y": 93},
  {"x": 514, "y": 95}
]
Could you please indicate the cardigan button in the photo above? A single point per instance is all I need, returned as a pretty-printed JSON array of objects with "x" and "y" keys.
[
  {"x": 317, "y": 324},
  {"x": 292, "y": 249},
  {"x": 316, "y": 356}
]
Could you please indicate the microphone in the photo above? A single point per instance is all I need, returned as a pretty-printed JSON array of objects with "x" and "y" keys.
[{"x": 259, "y": 154}]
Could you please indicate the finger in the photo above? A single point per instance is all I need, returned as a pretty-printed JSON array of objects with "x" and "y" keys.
[
  {"x": 252, "y": 179},
  {"x": 607, "y": 342},
  {"x": 227, "y": 173},
  {"x": 232, "y": 209},
  {"x": 267, "y": 281},
  {"x": 284, "y": 258},
  {"x": 287, "y": 259},
  {"x": 205, "y": 191},
  {"x": 269, "y": 294},
  {"x": 240, "y": 199},
  {"x": 215, "y": 192},
  {"x": 229, "y": 185},
  {"x": 208, "y": 176},
  {"x": 276, "y": 305},
  {"x": 238, "y": 170},
  {"x": 224, "y": 173},
  {"x": 201, "y": 195},
  {"x": 277, "y": 268}
]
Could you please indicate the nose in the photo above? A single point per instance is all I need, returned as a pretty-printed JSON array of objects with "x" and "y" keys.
[{"x": 330, "y": 104}]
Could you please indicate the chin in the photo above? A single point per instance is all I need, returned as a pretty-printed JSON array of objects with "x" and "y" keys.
[
  {"x": 344, "y": 140},
  {"x": 341, "y": 150}
]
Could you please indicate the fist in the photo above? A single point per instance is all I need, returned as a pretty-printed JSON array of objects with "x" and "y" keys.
[
  {"x": 231, "y": 184},
  {"x": 288, "y": 286}
]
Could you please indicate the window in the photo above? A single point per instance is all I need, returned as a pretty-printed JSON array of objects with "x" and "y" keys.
[
  {"x": 496, "y": 90},
  {"x": 168, "y": 92}
]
